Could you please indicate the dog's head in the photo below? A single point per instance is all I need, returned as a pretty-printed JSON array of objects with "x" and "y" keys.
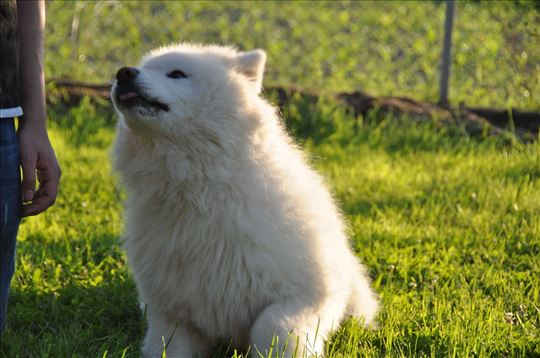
[{"x": 183, "y": 89}]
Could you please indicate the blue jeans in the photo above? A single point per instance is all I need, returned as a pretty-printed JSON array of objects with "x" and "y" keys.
[{"x": 10, "y": 209}]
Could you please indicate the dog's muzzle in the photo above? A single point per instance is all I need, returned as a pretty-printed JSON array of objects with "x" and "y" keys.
[{"x": 128, "y": 94}]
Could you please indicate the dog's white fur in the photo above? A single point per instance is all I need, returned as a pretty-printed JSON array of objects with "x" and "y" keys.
[{"x": 229, "y": 233}]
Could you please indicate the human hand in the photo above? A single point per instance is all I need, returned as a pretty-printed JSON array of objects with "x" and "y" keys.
[{"x": 37, "y": 156}]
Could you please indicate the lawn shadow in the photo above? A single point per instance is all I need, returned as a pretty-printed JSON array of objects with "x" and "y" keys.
[{"x": 76, "y": 320}]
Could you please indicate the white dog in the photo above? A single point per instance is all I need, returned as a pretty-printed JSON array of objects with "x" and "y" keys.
[{"x": 228, "y": 231}]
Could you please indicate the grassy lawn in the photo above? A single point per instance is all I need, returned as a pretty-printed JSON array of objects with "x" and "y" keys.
[{"x": 447, "y": 225}]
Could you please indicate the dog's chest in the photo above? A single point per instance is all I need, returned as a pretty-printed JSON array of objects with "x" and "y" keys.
[
  {"x": 223, "y": 290},
  {"x": 206, "y": 270}
]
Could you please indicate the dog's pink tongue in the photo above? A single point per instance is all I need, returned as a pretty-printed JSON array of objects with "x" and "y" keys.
[{"x": 126, "y": 96}]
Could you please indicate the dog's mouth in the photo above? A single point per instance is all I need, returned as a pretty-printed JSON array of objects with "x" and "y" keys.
[{"x": 130, "y": 96}]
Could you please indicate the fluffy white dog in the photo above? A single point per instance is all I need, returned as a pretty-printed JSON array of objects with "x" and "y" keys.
[{"x": 228, "y": 231}]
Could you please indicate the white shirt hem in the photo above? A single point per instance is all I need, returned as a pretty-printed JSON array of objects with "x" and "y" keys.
[{"x": 11, "y": 112}]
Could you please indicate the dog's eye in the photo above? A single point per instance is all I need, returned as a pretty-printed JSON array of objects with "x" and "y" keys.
[{"x": 176, "y": 74}]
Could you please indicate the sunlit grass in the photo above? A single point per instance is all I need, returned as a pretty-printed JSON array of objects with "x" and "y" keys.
[{"x": 447, "y": 225}]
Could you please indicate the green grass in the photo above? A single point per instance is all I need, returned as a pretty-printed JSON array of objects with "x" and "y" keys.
[
  {"x": 448, "y": 226},
  {"x": 382, "y": 47}
]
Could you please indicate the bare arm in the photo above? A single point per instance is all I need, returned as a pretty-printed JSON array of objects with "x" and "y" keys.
[{"x": 36, "y": 152}]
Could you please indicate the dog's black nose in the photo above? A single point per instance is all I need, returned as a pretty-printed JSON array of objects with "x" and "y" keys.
[{"x": 127, "y": 73}]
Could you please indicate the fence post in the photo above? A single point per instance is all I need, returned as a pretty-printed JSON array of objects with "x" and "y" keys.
[{"x": 446, "y": 57}]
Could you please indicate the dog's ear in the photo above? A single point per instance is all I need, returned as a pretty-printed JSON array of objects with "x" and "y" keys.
[{"x": 251, "y": 65}]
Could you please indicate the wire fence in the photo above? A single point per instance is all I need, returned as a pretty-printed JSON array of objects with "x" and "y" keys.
[{"x": 384, "y": 48}]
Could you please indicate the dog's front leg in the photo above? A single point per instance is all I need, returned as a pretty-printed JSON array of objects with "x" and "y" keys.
[
  {"x": 177, "y": 339},
  {"x": 289, "y": 330}
]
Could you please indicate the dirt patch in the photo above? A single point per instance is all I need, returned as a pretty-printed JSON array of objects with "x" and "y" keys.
[{"x": 524, "y": 124}]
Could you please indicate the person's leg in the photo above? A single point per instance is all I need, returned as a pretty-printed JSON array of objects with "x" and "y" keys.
[{"x": 10, "y": 209}]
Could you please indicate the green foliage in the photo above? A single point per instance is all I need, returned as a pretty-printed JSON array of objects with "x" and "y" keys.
[
  {"x": 313, "y": 120},
  {"x": 83, "y": 125},
  {"x": 383, "y": 47},
  {"x": 447, "y": 225}
]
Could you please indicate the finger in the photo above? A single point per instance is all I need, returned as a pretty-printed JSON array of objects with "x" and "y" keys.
[
  {"x": 28, "y": 184},
  {"x": 46, "y": 194},
  {"x": 37, "y": 206},
  {"x": 48, "y": 183}
]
